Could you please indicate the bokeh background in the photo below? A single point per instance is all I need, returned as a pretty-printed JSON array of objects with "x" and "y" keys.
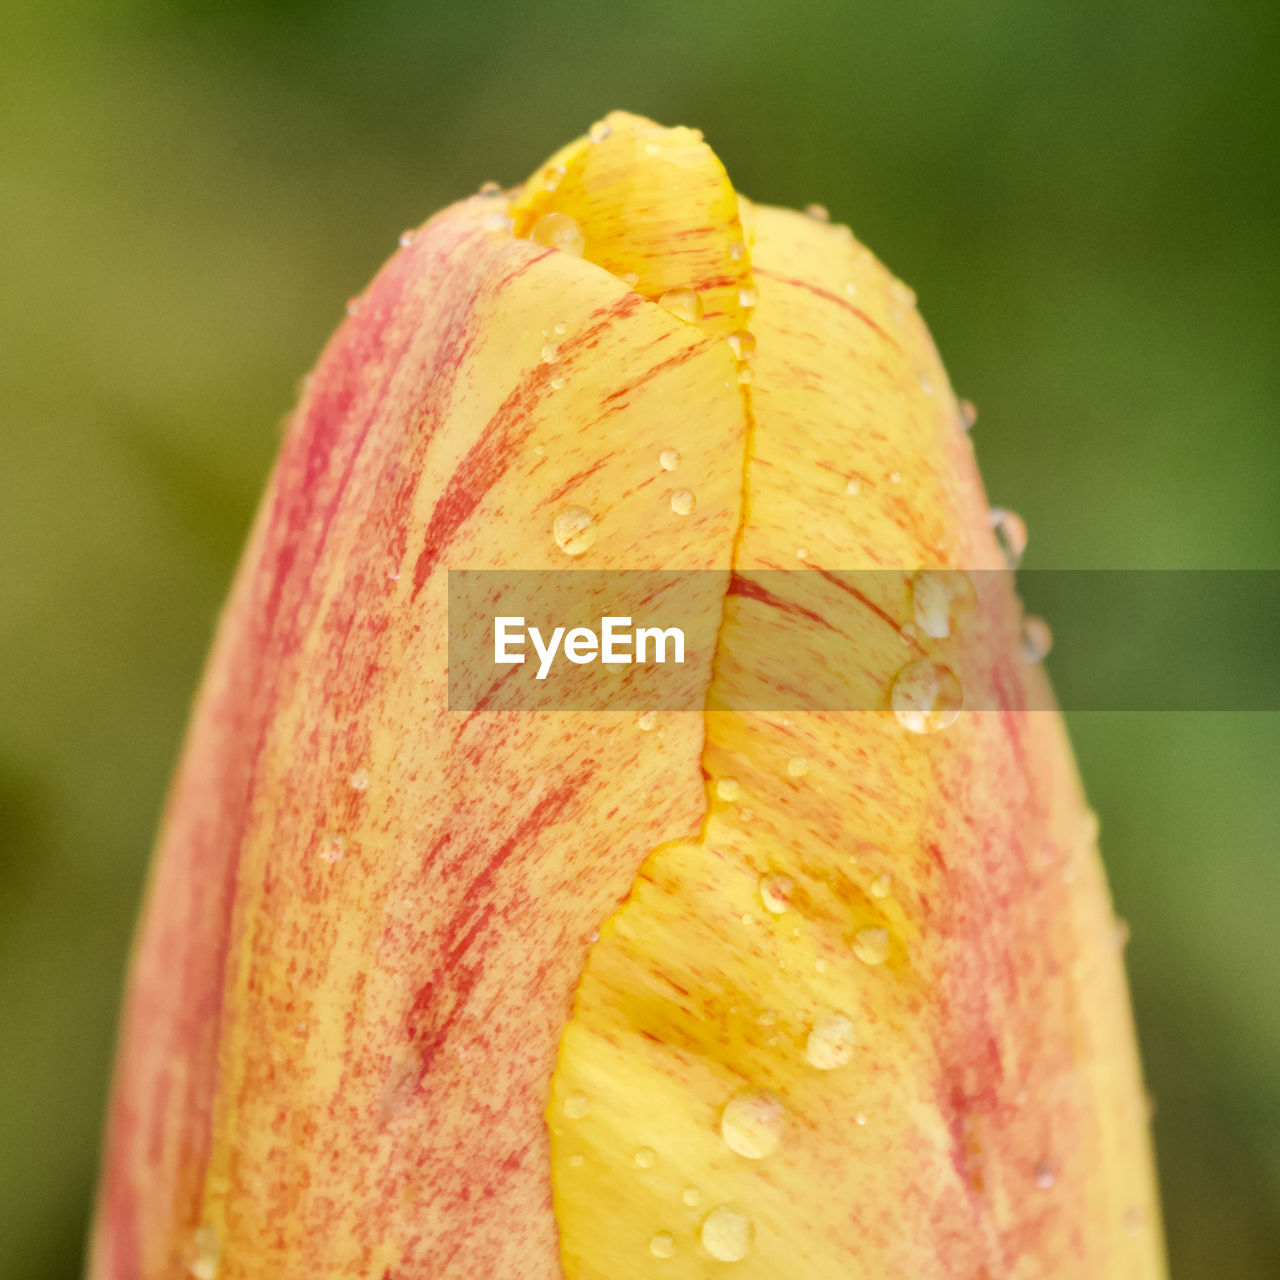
[{"x": 1084, "y": 194}]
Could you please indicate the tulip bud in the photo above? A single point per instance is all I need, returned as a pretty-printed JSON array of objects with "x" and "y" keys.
[{"x": 434, "y": 994}]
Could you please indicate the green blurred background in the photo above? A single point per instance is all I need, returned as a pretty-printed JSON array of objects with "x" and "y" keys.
[{"x": 1083, "y": 193}]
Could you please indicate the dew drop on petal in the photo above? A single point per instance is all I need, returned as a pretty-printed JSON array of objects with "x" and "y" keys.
[
  {"x": 576, "y": 1105},
  {"x": 752, "y": 1123},
  {"x": 1037, "y": 639},
  {"x": 559, "y": 231},
  {"x": 818, "y": 212},
  {"x": 926, "y": 696},
  {"x": 691, "y": 1196},
  {"x": 332, "y": 849},
  {"x": 669, "y": 459},
  {"x": 204, "y": 1253},
  {"x": 662, "y": 1245},
  {"x": 684, "y": 304},
  {"x": 797, "y": 766},
  {"x": 743, "y": 344},
  {"x": 550, "y": 352},
  {"x": 775, "y": 893},
  {"x": 359, "y": 780},
  {"x": 941, "y": 600},
  {"x": 574, "y": 530},
  {"x": 830, "y": 1042},
  {"x": 683, "y": 502},
  {"x": 1044, "y": 1176},
  {"x": 854, "y": 486},
  {"x": 1011, "y": 534},
  {"x": 726, "y": 1234},
  {"x": 881, "y": 885},
  {"x": 871, "y": 946},
  {"x": 406, "y": 239},
  {"x": 646, "y": 1157},
  {"x": 968, "y": 414},
  {"x": 646, "y": 720},
  {"x": 599, "y": 131},
  {"x": 490, "y": 188},
  {"x": 728, "y": 789},
  {"x": 577, "y": 1161},
  {"x": 748, "y": 297}
]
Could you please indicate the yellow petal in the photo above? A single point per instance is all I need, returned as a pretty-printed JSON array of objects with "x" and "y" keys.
[{"x": 944, "y": 898}]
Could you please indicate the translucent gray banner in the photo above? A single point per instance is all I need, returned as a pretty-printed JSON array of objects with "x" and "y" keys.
[{"x": 929, "y": 642}]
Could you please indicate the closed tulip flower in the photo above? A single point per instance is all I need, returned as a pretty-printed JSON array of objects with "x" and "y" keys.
[{"x": 422, "y": 993}]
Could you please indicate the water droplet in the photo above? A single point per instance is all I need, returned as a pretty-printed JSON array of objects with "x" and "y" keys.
[
  {"x": 204, "y": 1253},
  {"x": 646, "y": 1157},
  {"x": 557, "y": 382},
  {"x": 881, "y": 885},
  {"x": 574, "y": 530},
  {"x": 748, "y": 297},
  {"x": 662, "y": 1245},
  {"x": 768, "y": 1017},
  {"x": 871, "y": 946},
  {"x": 684, "y": 304},
  {"x": 577, "y": 1161},
  {"x": 748, "y": 918},
  {"x": 332, "y": 849},
  {"x": 683, "y": 502},
  {"x": 941, "y": 599},
  {"x": 1011, "y": 535},
  {"x": 818, "y": 212},
  {"x": 926, "y": 696},
  {"x": 775, "y": 893},
  {"x": 854, "y": 486},
  {"x": 496, "y": 222},
  {"x": 968, "y": 414},
  {"x": 895, "y": 477},
  {"x": 737, "y": 250},
  {"x": 726, "y": 1234},
  {"x": 630, "y": 279},
  {"x": 830, "y": 1043},
  {"x": 691, "y": 1196},
  {"x": 576, "y": 1105},
  {"x": 489, "y": 188},
  {"x": 926, "y": 387},
  {"x": 669, "y": 459},
  {"x": 728, "y": 789},
  {"x": 550, "y": 352},
  {"x": 752, "y": 1122},
  {"x": 406, "y": 239},
  {"x": 1037, "y": 639},
  {"x": 646, "y": 720},
  {"x": 359, "y": 780},
  {"x": 743, "y": 345},
  {"x": 1044, "y": 1176},
  {"x": 903, "y": 293},
  {"x": 599, "y": 131},
  {"x": 797, "y": 766},
  {"x": 353, "y": 305},
  {"x": 559, "y": 231},
  {"x": 860, "y": 1118}
]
